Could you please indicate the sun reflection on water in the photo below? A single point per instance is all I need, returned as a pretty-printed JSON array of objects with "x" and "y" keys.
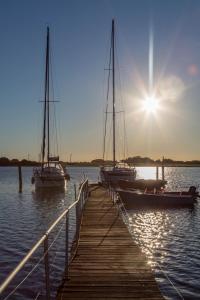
[
  {"x": 146, "y": 172},
  {"x": 151, "y": 229},
  {"x": 169, "y": 238}
]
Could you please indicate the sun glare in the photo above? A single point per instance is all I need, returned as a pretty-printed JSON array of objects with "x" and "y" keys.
[{"x": 151, "y": 104}]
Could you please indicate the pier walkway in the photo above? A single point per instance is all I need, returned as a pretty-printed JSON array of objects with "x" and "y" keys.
[{"x": 108, "y": 264}]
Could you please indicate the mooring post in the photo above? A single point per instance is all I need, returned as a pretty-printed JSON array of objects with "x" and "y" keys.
[
  {"x": 163, "y": 169},
  {"x": 20, "y": 178},
  {"x": 157, "y": 168}
]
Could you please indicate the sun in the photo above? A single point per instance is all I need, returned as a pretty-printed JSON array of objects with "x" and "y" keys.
[{"x": 151, "y": 104}]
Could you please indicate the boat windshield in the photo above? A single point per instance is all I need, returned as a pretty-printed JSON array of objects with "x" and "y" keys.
[
  {"x": 122, "y": 166},
  {"x": 53, "y": 165},
  {"x": 119, "y": 166}
]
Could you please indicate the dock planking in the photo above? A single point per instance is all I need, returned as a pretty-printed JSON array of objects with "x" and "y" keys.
[{"x": 108, "y": 264}]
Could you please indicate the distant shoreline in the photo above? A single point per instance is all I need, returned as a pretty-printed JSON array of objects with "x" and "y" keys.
[
  {"x": 93, "y": 165},
  {"x": 136, "y": 161}
]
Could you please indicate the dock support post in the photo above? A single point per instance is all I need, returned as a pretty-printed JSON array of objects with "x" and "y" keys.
[
  {"x": 20, "y": 178},
  {"x": 157, "y": 169}
]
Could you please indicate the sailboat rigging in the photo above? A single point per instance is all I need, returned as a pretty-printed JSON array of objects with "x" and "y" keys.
[
  {"x": 118, "y": 171},
  {"x": 51, "y": 173}
]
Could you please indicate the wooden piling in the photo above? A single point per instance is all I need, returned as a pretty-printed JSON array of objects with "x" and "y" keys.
[
  {"x": 20, "y": 178},
  {"x": 163, "y": 169},
  {"x": 157, "y": 169}
]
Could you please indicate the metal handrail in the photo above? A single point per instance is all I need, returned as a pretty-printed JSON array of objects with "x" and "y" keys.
[{"x": 82, "y": 197}]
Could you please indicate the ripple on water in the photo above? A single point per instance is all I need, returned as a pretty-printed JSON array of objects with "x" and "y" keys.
[
  {"x": 170, "y": 238},
  {"x": 24, "y": 218}
]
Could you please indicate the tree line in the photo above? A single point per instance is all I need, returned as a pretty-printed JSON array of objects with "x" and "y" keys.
[{"x": 133, "y": 161}]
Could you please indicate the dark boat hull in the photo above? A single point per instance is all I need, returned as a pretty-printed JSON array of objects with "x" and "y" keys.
[
  {"x": 143, "y": 184},
  {"x": 112, "y": 177},
  {"x": 133, "y": 199}
]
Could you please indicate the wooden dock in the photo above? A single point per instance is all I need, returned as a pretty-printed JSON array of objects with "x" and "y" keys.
[{"x": 108, "y": 264}]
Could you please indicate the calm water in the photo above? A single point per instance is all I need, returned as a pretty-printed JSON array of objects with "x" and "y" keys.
[{"x": 170, "y": 238}]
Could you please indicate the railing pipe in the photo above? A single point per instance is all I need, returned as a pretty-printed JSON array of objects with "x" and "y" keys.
[{"x": 20, "y": 265}]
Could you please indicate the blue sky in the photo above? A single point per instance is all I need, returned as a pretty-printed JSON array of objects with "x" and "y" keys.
[{"x": 80, "y": 37}]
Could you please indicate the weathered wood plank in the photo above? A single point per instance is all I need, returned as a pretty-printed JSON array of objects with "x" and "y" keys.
[{"x": 108, "y": 264}]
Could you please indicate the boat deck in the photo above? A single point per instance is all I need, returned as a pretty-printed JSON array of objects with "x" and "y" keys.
[{"x": 108, "y": 264}]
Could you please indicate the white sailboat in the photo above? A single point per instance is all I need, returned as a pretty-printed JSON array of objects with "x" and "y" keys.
[
  {"x": 112, "y": 175},
  {"x": 51, "y": 173}
]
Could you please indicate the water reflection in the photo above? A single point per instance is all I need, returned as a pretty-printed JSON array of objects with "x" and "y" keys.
[
  {"x": 150, "y": 228},
  {"x": 164, "y": 236},
  {"x": 146, "y": 172},
  {"x": 170, "y": 237},
  {"x": 53, "y": 195},
  {"x": 48, "y": 205}
]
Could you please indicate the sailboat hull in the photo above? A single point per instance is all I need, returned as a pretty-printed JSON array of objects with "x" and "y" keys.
[
  {"x": 49, "y": 177},
  {"x": 45, "y": 182},
  {"x": 115, "y": 175}
]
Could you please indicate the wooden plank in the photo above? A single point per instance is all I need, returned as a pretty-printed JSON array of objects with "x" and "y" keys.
[{"x": 108, "y": 264}]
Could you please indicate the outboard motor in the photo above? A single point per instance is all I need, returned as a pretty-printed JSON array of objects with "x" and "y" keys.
[
  {"x": 192, "y": 190},
  {"x": 67, "y": 176}
]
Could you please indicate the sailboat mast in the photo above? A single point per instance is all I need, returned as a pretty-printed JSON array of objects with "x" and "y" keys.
[
  {"x": 113, "y": 86},
  {"x": 47, "y": 95},
  {"x": 46, "y": 104}
]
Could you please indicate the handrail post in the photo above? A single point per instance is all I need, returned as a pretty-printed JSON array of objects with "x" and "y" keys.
[
  {"x": 46, "y": 264},
  {"x": 67, "y": 247},
  {"x": 75, "y": 191},
  {"x": 79, "y": 213},
  {"x": 82, "y": 199},
  {"x": 77, "y": 220}
]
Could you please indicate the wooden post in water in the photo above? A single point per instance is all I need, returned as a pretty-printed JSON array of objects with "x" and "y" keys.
[
  {"x": 157, "y": 168},
  {"x": 20, "y": 178},
  {"x": 163, "y": 169}
]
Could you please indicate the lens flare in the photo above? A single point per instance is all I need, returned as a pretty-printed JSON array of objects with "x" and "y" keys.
[{"x": 151, "y": 104}]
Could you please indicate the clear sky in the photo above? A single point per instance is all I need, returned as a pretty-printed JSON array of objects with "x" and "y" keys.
[{"x": 80, "y": 37}]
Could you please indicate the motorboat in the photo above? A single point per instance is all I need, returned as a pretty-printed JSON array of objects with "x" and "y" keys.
[
  {"x": 137, "y": 198},
  {"x": 142, "y": 184}
]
